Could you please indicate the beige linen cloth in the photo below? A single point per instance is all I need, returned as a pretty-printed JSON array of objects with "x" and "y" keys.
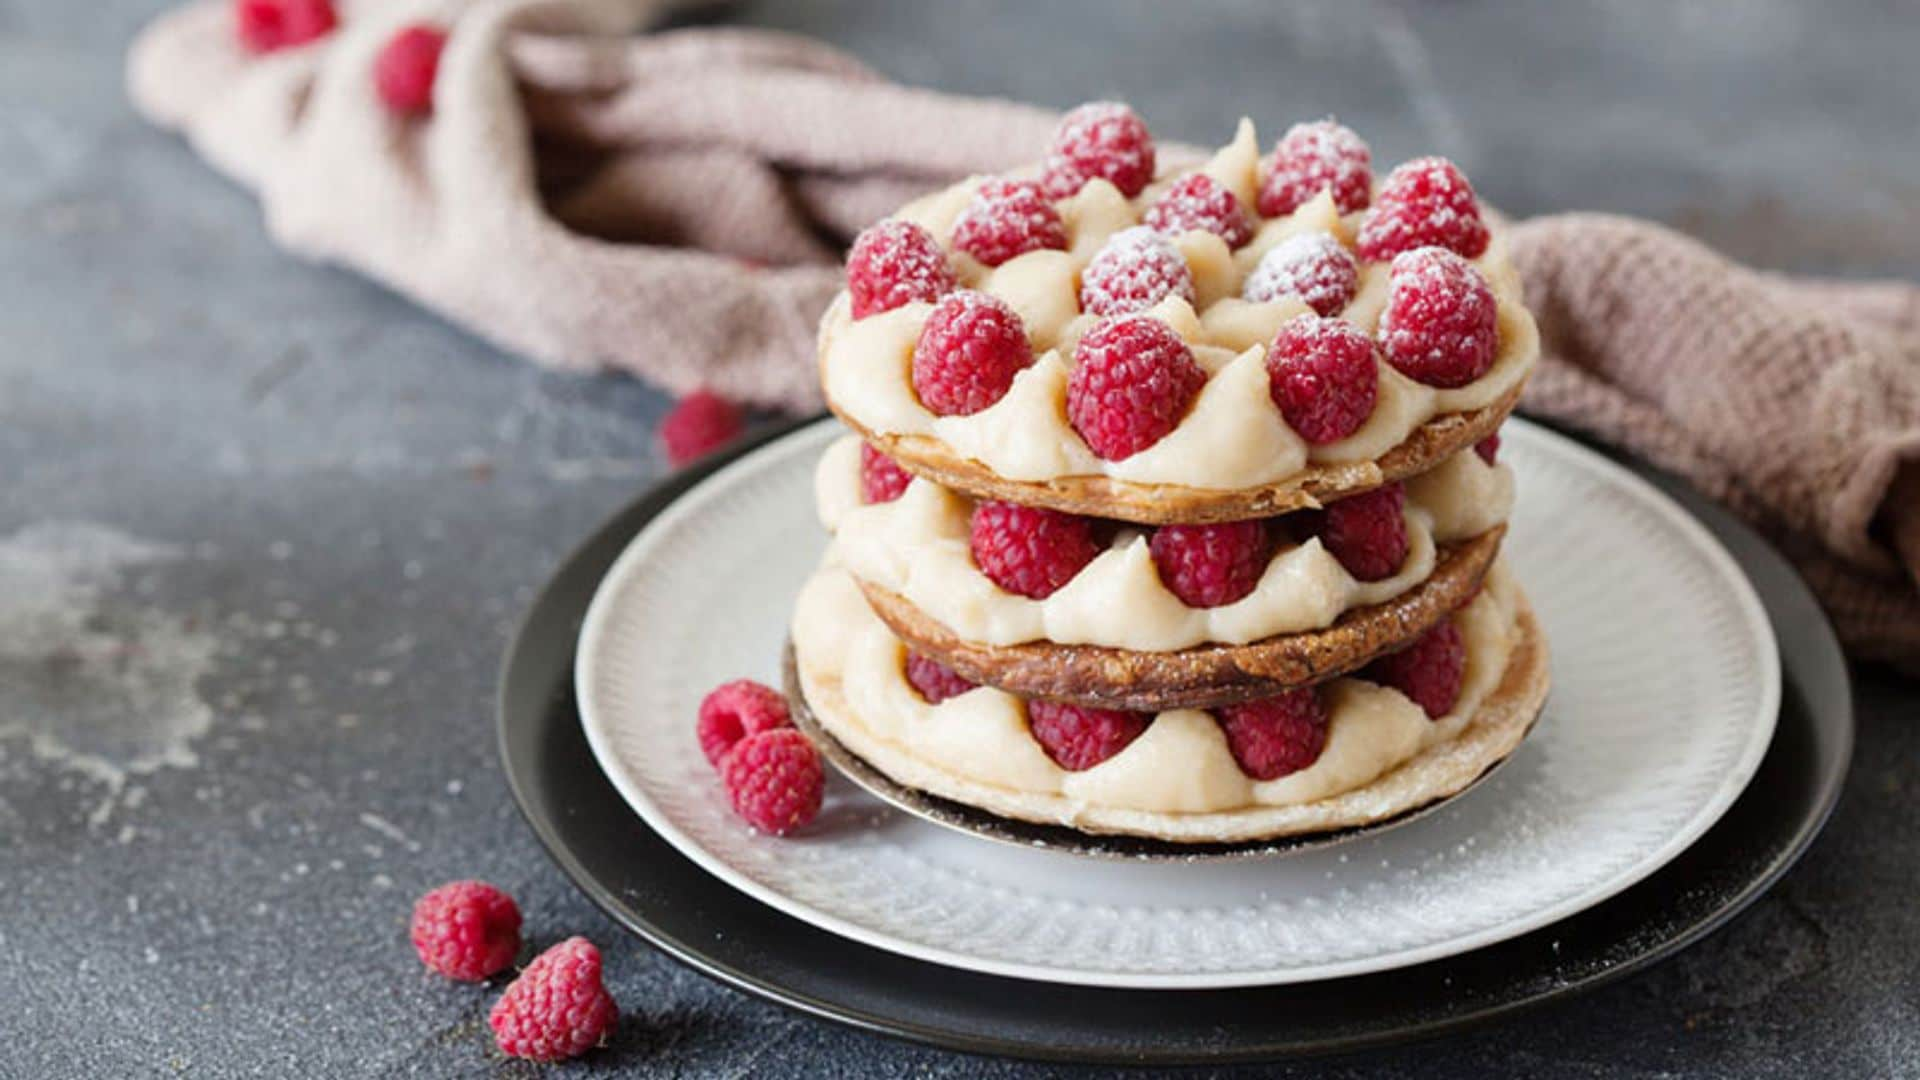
[{"x": 674, "y": 205}]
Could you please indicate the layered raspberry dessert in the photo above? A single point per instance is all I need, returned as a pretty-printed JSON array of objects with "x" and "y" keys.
[{"x": 1173, "y": 502}]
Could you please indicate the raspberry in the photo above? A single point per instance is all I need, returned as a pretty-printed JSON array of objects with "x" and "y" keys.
[
  {"x": 558, "y": 1008},
  {"x": 881, "y": 478},
  {"x": 894, "y": 263},
  {"x": 936, "y": 681},
  {"x": 970, "y": 349},
  {"x": 1310, "y": 158},
  {"x": 1424, "y": 201},
  {"x": 1200, "y": 202},
  {"x": 1312, "y": 266},
  {"x": 1488, "y": 448},
  {"x": 1104, "y": 139},
  {"x": 1008, "y": 218},
  {"x": 1132, "y": 381},
  {"x": 1210, "y": 565},
  {"x": 1323, "y": 376},
  {"x": 1440, "y": 325},
  {"x": 267, "y": 25},
  {"x": 699, "y": 424},
  {"x": 1028, "y": 550},
  {"x": 1078, "y": 738},
  {"x": 466, "y": 930},
  {"x": 774, "y": 780},
  {"x": 403, "y": 72},
  {"x": 1429, "y": 671},
  {"x": 732, "y": 711},
  {"x": 1275, "y": 736},
  {"x": 1368, "y": 533},
  {"x": 1135, "y": 269}
]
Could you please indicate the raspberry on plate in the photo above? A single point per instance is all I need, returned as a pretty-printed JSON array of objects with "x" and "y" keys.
[
  {"x": 969, "y": 351},
  {"x": 1211, "y": 565},
  {"x": 1429, "y": 671},
  {"x": 1313, "y": 266},
  {"x": 893, "y": 263},
  {"x": 699, "y": 424},
  {"x": 774, "y": 780},
  {"x": 1104, "y": 139},
  {"x": 1276, "y": 736},
  {"x": 466, "y": 930},
  {"x": 558, "y": 1008},
  {"x": 881, "y": 478},
  {"x": 1426, "y": 201},
  {"x": 1441, "y": 324},
  {"x": 1488, "y": 448},
  {"x": 268, "y": 25},
  {"x": 936, "y": 681},
  {"x": 1078, "y": 738},
  {"x": 1323, "y": 376},
  {"x": 1030, "y": 550},
  {"x": 732, "y": 711},
  {"x": 1135, "y": 269},
  {"x": 403, "y": 71},
  {"x": 1198, "y": 201},
  {"x": 1311, "y": 158},
  {"x": 1133, "y": 379},
  {"x": 1008, "y": 218},
  {"x": 1367, "y": 533}
]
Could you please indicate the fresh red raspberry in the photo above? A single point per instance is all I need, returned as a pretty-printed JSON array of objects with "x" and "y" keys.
[
  {"x": 1311, "y": 158},
  {"x": 1029, "y": 550},
  {"x": 1200, "y": 202},
  {"x": 1008, "y": 218},
  {"x": 970, "y": 349},
  {"x": 774, "y": 780},
  {"x": 732, "y": 711},
  {"x": 558, "y": 1008},
  {"x": 1488, "y": 448},
  {"x": 466, "y": 930},
  {"x": 267, "y": 25},
  {"x": 1323, "y": 375},
  {"x": 699, "y": 424},
  {"x": 1312, "y": 266},
  {"x": 1102, "y": 139},
  {"x": 1135, "y": 269},
  {"x": 1441, "y": 322},
  {"x": 1368, "y": 533},
  {"x": 1132, "y": 381},
  {"x": 1429, "y": 671},
  {"x": 1426, "y": 201},
  {"x": 936, "y": 681},
  {"x": 881, "y": 478},
  {"x": 1275, "y": 736},
  {"x": 894, "y": 263},
  {"x": 1210, "y": 565},
  {"x": 1078, "y": 738},
  {"x": 403, "y": 71}
]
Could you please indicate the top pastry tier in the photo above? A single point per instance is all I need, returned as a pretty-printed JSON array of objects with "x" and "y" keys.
[{"x": 1237, "y": 339}]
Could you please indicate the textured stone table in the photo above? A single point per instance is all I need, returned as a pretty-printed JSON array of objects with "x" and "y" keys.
[{"x": 264, "y": 530}]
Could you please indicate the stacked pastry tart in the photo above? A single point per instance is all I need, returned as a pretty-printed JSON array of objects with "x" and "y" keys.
[{"x": 1173, "y": 506}]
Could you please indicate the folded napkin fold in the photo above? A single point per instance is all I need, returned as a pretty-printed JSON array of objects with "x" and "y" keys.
[{"x": 675, "y": 204}]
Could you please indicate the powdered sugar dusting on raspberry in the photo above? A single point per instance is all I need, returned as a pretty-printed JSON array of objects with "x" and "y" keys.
[
  {"x": 1426, "y": 201},
  {"x": 1201, "y": 202},
  {"x": 1008, "y": 218},
  {"x": 1311, "y": 158},
  {"x": 1104, "y": 139},
  {"x": 1313, "y": 266},
  {"x": 1323, "y": 376},
  {"x": 1136, "y": 269},
  {"x": 894, "y": 263},
  {"x": 1441, "y": 323}
]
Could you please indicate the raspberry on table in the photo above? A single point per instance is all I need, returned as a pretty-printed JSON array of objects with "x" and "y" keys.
[
  {"x": 1323, "y": 376},
  {"x": 267, "y": 25},
  {"x": 936, "y": 681},
  {"x": 1441, "y": 323},
  {"x": 1198, "y": 201},
  {"x": 403, "y": 71},
  {"x": 466, "y": 930},
  {"x": 881, "y": 478},
  {"x": 969, "y": 351},
  {"x": 774, "y": 780},
  {"x": 1029, "y": 550},
  {"x": 1429, "y": 671},
  {"x": 1313, "y": 266},
  {"x": 1132, "y": 381},
  {"x": 558, "y": 1008},
  {"x": 1135, "y": 269},
  {"x": 1008, "y": 218},
  {"x": 1211, "y": 565},
  {"x": 1276, "y": 736},
  {"x": 1311, "y": 158},
  {"x": 733, "y": 711},
  {"x": 1367, "y": 533},
  {"x": 1488, "y": 448},
  {"x": 1426, "y": 201},
  {"x": 1078, "y": 738},
  {"x": 1104, "y": 139},
  {"x": 893, "y": 263},
  {"x": 699, "y": 424}
]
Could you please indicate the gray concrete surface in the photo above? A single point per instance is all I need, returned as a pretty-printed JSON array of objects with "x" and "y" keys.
[{"x": 264, "y": 530}]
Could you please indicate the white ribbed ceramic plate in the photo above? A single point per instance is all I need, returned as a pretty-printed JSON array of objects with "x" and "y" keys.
[{"x": 1666, "y": 686}]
